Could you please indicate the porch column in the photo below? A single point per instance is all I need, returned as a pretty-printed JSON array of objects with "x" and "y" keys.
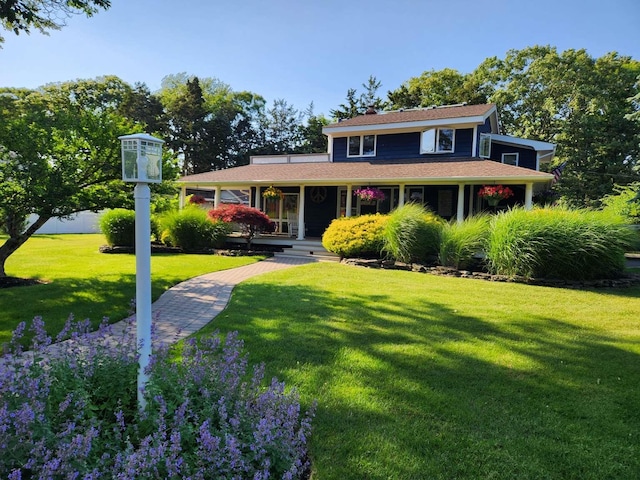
[
  {"x": 216, "y": 199},
  {"x": 183, "y": 195},
  {"x": 471, "y": 199},
  {"x": 528, "y": 196},
  {"x": 460, "y": 213},
  {"x": 349, "y": 200},
  {"x": 258, "y": 197},
  {"x": 301, "y": 215},
  {"x": 401, "y": 195}
]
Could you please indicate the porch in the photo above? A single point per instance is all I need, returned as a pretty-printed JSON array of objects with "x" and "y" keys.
[{"x": 290, "y": 247}]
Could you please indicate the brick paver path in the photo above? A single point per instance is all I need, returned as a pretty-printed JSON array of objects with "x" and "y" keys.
[{"x": 188, "y": 306}]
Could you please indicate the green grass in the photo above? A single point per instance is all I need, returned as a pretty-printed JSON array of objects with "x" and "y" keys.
[
  {"x": 424, "y": 377},
  {"x": 87, "y": 283}
]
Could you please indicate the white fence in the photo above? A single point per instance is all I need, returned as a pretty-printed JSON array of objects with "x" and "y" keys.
[{"x": 83, "y": 222}]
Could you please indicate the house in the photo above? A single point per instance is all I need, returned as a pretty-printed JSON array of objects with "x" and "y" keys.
[{"x": 438, "y": 156}]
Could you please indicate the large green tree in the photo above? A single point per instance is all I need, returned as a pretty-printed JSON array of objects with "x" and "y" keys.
[
  {"x": 60, "y": 154},
  {"x": 358, "y": 104},
  {"x": 44, "y": 15},
  {"x": 443, "y": 87},
  {"x": 580, "y": 103},
  {"x": 208, "y": 124}
]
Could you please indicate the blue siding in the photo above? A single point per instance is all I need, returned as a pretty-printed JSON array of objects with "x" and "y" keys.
[
  {"x": 526, "y": 158},
  {"x": 401, "y": 146}
]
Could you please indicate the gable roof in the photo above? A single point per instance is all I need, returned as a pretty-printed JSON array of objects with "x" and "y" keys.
[
  {"x": 419, "y": 117},
  {"x": 443, "y": 171}
]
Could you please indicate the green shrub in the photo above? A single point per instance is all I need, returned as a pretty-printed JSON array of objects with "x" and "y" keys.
[
  {"x": 558, "y": 243},
  {"x": 191, "y": 230},
  {"x": 355, "y": 236},
  {"x": 461, "y": 241},
  {"x": 412, "y": 234},
  {"x": 119, "y": 226}
]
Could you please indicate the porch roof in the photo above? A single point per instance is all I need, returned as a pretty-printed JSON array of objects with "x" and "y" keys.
[{"x": 442, "y": 171}]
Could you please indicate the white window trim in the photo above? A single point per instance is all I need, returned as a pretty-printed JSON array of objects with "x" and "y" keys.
[
  {"x": 436, "y": 146},
  {"x": 517, "y": 154},
  {"x": 375, "y": 145},
  {"x": 482, "y": 137}
]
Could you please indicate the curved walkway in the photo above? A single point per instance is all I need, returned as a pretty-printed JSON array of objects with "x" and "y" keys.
[{"x": 188, "y": 306}]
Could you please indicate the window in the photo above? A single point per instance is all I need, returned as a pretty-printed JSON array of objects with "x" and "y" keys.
[
  {"x": 484, "y": 150},
  {"x": 510, "y": 158},
  {"x": 437, "y": 140},
  {"x": 362, "y": 146}
]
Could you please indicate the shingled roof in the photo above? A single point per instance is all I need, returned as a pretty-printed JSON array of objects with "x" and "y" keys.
[
  {"x": 443, "y": 171},
  {"x": 417, "y": 115}
]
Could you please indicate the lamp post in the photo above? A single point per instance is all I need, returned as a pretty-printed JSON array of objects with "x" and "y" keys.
[{"x": 142, "y": 164}]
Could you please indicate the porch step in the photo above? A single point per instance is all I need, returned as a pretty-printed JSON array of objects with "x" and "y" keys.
[{"x": 310, "y": 249}]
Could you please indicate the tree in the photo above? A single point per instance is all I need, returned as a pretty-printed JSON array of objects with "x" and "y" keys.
[
  {"x": 60, "y": 155},
  {"x": 43, "y": 15},
  {"x": 208, "y": 124},
  {"x": 313, "y": 140},
  {"x": 355, "y": 105},
  {"x": 279, "y": 130},
  {"x": 578, "y": 102},
  {"x": 443, "y": 87},
  {"x": 251, "y": 220}
]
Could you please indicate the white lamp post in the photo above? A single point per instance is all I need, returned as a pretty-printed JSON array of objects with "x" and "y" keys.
[{"x": 142, "y": 163}]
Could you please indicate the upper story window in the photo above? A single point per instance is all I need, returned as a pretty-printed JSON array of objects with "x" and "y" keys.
[
  {"x": 362, "y": 146},
  {"x": 510, "y": 158},
  {"x": 484, "y": 148},
  {"x": 437, "y": 140}
]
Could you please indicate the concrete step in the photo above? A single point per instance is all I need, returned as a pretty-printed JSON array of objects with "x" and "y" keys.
[{"x": 311, "y": 249}]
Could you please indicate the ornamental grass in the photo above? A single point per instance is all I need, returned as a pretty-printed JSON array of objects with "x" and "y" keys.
[
  {"x": 558, "y": 243},
  {"x": 412, "y": 234}
]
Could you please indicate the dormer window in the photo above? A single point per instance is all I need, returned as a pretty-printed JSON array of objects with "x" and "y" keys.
[
  {"x": 362, "y": 146},
  {"x": 437, "y": 140}
]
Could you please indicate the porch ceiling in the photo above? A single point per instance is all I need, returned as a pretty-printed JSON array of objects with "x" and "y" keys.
[{"x": 445, "y": 171}]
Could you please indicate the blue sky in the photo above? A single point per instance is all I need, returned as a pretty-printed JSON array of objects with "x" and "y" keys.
[{"x": 306, "y": 51}]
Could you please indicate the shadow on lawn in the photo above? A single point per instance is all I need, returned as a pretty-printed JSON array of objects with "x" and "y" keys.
[{"x": 430, "y": 393}]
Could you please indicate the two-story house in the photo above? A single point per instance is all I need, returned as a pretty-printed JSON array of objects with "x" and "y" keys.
[{"x": 439, "y": 156}]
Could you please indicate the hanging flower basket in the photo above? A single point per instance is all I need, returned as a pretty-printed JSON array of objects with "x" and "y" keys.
[
  {"x": 370, "y": 194},
  {"x": 272, "y": 192},
  {"x": 494, "y": 194},
  {"x": 196, "y": 199}
]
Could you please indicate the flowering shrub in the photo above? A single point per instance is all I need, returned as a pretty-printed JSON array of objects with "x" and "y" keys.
[
  {"x": 272, "y": 192},
  {"x": 251, "y": 220},
  {"x": 495, "y": 192},
  {"x": 355, "y": 236},
  {"x": 370, "y": 193},
  {"x": 73, "y": 413}
]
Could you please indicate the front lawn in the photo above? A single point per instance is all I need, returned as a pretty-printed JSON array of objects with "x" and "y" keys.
[
  {"x": 425, "y": 377},
  {"x": 87, "y": 283}
]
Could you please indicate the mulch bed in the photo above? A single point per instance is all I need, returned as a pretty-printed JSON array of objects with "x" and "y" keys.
[{"x": 628, "y": 280}]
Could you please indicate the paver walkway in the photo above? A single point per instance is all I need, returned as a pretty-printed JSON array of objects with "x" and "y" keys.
[{"x": 188, "y": 306}]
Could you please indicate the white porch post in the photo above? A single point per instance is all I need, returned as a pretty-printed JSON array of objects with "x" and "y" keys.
[
  {"x": 471, "y": 199},
  {"x": 349, "y": 200},
  {"x": 528, "y": 196},
  {"x": 216, "y": 200},
  {"x": 258, "y": 197},
  {"x": 460, "y": 213},
  {"x": 301, "y": 215},
  {"x": 401, "y": 195},
  {"x": 182, "y": 196}
]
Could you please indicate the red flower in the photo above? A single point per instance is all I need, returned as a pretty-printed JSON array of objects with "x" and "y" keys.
[{"x": 497, "y": 192}]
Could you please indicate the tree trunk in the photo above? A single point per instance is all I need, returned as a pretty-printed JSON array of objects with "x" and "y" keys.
[{"x": 16, "y": 241}]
